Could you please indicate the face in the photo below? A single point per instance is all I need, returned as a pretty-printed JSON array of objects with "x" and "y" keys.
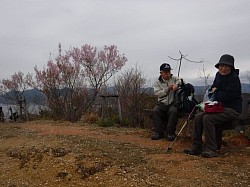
[
  {"x": 225, "y": 69},
  {"x": 166, "y": 75}
]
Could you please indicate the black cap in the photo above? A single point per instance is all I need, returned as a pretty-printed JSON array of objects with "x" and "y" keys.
[
  {"x": 165, "y": 67},
  {"x": 226, "y": 59}
]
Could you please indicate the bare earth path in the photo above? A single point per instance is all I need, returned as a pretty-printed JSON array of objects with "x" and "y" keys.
[{"x": 45, "y": 153}]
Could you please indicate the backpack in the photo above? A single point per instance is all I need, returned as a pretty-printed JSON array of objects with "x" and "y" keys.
[{"x": 185, "y": 100}]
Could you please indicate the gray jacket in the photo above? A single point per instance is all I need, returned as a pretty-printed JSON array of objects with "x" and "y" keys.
[{"x": 162, "y": 91}]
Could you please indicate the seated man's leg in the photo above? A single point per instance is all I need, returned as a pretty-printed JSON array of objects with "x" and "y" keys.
[
  {"x": 210, "y": 121},
  {"x": 241, "y": 127},
  {"x": 198, "y": 130},
  {"x": 172, "y": 122},
  {"x": 197, "y": 135},
  {"x": 158, "y": 112}
]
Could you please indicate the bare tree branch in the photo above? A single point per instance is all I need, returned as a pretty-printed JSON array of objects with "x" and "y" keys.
[{"x": 204, "y": 75}]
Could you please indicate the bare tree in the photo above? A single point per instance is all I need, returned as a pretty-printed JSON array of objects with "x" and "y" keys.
[
  {"x": 132, "y": 93},
  {"x": 204, "y": 75},
  {"x": 248, "y": 76}
]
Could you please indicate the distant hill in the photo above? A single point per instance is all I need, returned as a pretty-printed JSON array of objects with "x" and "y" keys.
[
  {"x": 245, "y": 88},
  {"x": 37, "y": 96},
  {"x": 32, "y": 96}
]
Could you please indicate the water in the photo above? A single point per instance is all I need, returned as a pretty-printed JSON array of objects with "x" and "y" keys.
[{"x": 32, "y": 109}]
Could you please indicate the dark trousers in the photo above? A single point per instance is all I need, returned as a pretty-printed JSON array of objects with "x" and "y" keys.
[
  {"x": 161, "y": 113},
  {"x": 207, "y": 122}
]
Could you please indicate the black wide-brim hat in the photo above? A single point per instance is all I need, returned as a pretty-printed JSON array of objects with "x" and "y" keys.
[{"x": 227, "y": 60}]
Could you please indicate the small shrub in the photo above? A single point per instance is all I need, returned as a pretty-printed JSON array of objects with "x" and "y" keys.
[
  {"x": 45, "y": 113},
  {"x": 90, "y": 117},
  {"x": 247, "y": 131},
  {"x": 126, "y": 123},
  {"x": 108, "y": 122}
]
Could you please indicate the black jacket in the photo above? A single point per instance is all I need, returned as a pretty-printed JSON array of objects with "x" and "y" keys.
[{"x": 228, "y": 90}]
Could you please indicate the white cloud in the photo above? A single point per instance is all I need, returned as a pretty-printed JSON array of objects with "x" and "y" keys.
[{"x": 146, "y": 31}]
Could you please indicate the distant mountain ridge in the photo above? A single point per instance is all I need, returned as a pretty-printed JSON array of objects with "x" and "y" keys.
[
  {"x": 34, "y": 95},
  {"x": 31, "y": 96},
  {"x": 245, "y": 88}
]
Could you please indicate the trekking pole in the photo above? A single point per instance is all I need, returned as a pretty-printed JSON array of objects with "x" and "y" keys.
[{"x": 184, "y": 125}]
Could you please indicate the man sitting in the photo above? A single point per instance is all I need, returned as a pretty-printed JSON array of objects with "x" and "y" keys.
[{"x": 165, "y": 88}]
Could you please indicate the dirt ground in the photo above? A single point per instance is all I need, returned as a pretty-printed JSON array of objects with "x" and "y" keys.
[{"x": 46, "y": 153}]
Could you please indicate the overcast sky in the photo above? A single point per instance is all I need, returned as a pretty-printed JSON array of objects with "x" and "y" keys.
[{"x": 146, "y": 31}]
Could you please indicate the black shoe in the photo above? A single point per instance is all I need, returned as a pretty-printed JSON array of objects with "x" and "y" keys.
[
  {"x": 209, "y": 154},
  {"x": 171, "y": 137},
  {"x": 156, "y": 136},
  {"x": 193, "y": 151}
]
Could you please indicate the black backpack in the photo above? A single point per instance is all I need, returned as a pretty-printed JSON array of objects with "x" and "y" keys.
[{"x": 185, "y": 100}]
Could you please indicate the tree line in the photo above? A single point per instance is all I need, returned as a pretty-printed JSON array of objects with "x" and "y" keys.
[{"x": 73, "y": 79}]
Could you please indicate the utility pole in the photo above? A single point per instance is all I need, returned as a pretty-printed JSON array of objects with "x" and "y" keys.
[{"x": 180, "y": 61}]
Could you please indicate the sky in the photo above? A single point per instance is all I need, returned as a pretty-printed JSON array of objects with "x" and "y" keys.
[{"x": 148, "y": 32}]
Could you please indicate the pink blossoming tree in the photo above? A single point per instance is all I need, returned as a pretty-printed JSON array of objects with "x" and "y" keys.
[
  {"x": 72, "y": 80},
  {"x": 13, "y": 89}
]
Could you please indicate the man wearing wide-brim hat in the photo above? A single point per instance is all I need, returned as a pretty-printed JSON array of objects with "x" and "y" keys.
[{"x": 226, "y": 89}]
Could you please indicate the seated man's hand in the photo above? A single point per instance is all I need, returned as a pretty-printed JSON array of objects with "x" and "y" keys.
[
  {"x": 213, "y": 89},
  {"x": 175, "y": 87}
]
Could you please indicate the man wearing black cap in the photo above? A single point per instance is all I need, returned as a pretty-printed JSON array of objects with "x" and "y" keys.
[
  {"x": 226, "y": 89},
  {"x": 164, "y": 89}
]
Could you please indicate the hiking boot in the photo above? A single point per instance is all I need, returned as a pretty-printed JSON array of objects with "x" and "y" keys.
[
  {"x": 209, "y": 154},
  {"x": 171, "y": 137},
  {"x": 193, "y": 151},
  {"x": 157, "y": 136}
]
